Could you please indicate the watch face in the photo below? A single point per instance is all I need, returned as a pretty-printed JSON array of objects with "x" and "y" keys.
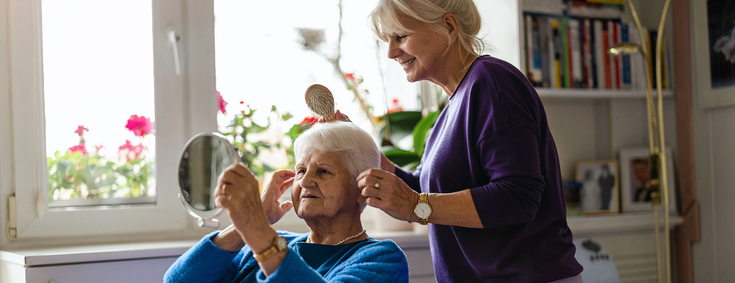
[
  {"x": 282, "y": 243},
  {"x": 422, "y": 210}
]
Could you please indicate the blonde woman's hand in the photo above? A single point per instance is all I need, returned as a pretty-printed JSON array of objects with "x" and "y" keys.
[
  {"x": 280, "y": 182},
  {"x": 385, "y": 191}
]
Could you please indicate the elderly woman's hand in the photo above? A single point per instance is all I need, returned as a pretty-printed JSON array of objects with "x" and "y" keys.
[
  {"x": 280, "y": 182},
  {"x": 391, "y": 194},
  {"x": 237, "y": 191}
]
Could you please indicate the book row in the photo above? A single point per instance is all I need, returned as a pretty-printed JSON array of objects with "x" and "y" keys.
[{"x": 569, "y": 52}]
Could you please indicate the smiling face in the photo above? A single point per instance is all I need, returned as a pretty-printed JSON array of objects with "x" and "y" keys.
[
  {"x": 323, "y": 186},
  {"x": 420, "y": 50}
]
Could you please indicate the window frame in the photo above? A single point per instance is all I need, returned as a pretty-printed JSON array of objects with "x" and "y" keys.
[{"x": 185, "y": 105}]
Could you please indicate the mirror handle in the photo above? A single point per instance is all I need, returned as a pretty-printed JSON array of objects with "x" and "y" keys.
[{"x": 208, "y": 223}]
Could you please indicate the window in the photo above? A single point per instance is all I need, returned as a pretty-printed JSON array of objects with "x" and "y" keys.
[
  {"x": 270, "y": 59},
  {"x": 261, "y": 60},
  {"x": 59, "y": 78},
  {"x": 97, "y": 154}
]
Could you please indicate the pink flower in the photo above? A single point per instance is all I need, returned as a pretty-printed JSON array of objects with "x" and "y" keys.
[
  {"x": 222, "y": 103},
  {"x": 126, "y": 146},
  {"x": 80, "y": 130},
  {"x": 140, "y": 126},
  {"x": 79, "y": 148},
  {"x": 130, "y": 151}
]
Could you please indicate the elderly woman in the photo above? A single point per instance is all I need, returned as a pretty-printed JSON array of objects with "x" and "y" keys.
[
  {"x": 325, "y": 195},
  {"x": 489, "y": 182}
]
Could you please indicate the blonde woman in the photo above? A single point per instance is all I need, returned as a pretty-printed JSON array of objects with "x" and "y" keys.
[{"x": 489, "y": 184}]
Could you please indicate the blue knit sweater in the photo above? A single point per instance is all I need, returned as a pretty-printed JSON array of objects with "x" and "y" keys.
[{"x": 363, "y": 261}]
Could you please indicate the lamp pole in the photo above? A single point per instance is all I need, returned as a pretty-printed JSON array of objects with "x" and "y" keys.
[{"x": 656, "y": 138}]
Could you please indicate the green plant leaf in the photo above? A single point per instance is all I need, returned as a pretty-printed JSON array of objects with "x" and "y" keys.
[
  {"x": 420, "y": 131},
  {"x": 401, "y": 157},
  {"x": 286, "y": 116},
  {"x": 255, "y": 128},
  {"x": 401, "y": 124}
]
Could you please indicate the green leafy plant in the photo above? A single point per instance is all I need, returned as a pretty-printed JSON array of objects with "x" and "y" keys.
[
  {"x": 242, "y": 131},
  {"x": 403, "y": 124},
  {"x": 247, "y": 136},
  {"x": 80, "y": 174}
]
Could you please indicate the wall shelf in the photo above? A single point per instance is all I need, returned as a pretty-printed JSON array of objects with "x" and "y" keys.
[
  {"x": 597, "y": 93},
  {"x": 618, "y": 223}
]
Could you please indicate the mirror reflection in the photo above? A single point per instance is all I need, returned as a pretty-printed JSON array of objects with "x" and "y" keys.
[{"x": 202, "y": 161}]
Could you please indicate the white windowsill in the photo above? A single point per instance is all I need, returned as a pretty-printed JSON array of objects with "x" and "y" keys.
[{"x": 35, "y": 257}]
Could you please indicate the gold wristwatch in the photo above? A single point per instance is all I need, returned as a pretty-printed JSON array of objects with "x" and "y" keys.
[
  {"x": 423, "y": 209},
  {"x": 279, "y": 244}
]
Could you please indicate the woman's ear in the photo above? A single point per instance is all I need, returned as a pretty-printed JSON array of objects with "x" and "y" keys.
[{"x": 452, "y": 26}]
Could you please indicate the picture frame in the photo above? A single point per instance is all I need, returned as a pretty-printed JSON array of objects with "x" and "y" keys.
[
  {"x": 634, "y": 171},
  {"x": 600, "y": 191},
  {"x": 714, "y": 37}
]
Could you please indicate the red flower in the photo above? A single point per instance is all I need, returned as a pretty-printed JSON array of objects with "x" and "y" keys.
[
  {"x": 350, "y": 76},
  {"x": 222, "y": 103},
  {"x": 80, "y": 130},
  {"x": 79, "y": 148},
  {"x": 308, "y": 120},
  {"x": 396, "y": 106},
  {"x": 140, "y": 126}
]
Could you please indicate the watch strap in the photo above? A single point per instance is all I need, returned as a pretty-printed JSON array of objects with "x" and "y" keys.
[
  {"x": 269, "y": 252},
  {"x": 423, "y": 198}
]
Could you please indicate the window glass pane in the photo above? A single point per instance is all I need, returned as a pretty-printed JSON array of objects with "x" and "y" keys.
[
  {"x": 266, "y": 59},
  {"x": 99, "y": 101}
]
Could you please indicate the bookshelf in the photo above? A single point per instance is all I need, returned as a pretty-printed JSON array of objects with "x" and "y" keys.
[
  {"x": 597, "y": 94},
  {"x": 564, "y": 47},
  {"x": 595, "y": 123}
]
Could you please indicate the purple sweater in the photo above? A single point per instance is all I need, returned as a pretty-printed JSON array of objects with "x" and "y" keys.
[{"x": 493, "y": 138}]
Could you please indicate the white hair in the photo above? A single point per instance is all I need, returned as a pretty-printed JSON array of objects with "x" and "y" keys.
[
  {"x": 385, "y": 19},
  {"x": 355, "y": 146}
]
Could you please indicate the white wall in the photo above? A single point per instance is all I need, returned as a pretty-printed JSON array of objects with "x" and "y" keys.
[
  {"x": 714, "y": 156},
  {"x": 714, "y": 161},
  {"x": 5, "y": 151}
]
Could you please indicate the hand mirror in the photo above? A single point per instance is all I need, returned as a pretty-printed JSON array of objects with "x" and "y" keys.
[{"x": 203, "y": 159}]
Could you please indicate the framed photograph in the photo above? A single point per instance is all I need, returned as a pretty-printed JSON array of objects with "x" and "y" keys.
[
  {"x": 635, "y": 179},
  {"x": 714, "y": 48},
  {"x": 600, "y": 192}
]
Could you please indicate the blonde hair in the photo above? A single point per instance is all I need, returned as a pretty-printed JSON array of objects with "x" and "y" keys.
[
  {"x": 355, "y": 146},
  {"x": 385, "y": 19}
]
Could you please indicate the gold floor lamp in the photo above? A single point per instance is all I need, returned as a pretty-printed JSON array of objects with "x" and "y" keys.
[{"x": 657, "y": 144}]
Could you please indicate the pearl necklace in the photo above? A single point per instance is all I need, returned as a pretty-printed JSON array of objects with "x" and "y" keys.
[{"x": 343, "y": 241}]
